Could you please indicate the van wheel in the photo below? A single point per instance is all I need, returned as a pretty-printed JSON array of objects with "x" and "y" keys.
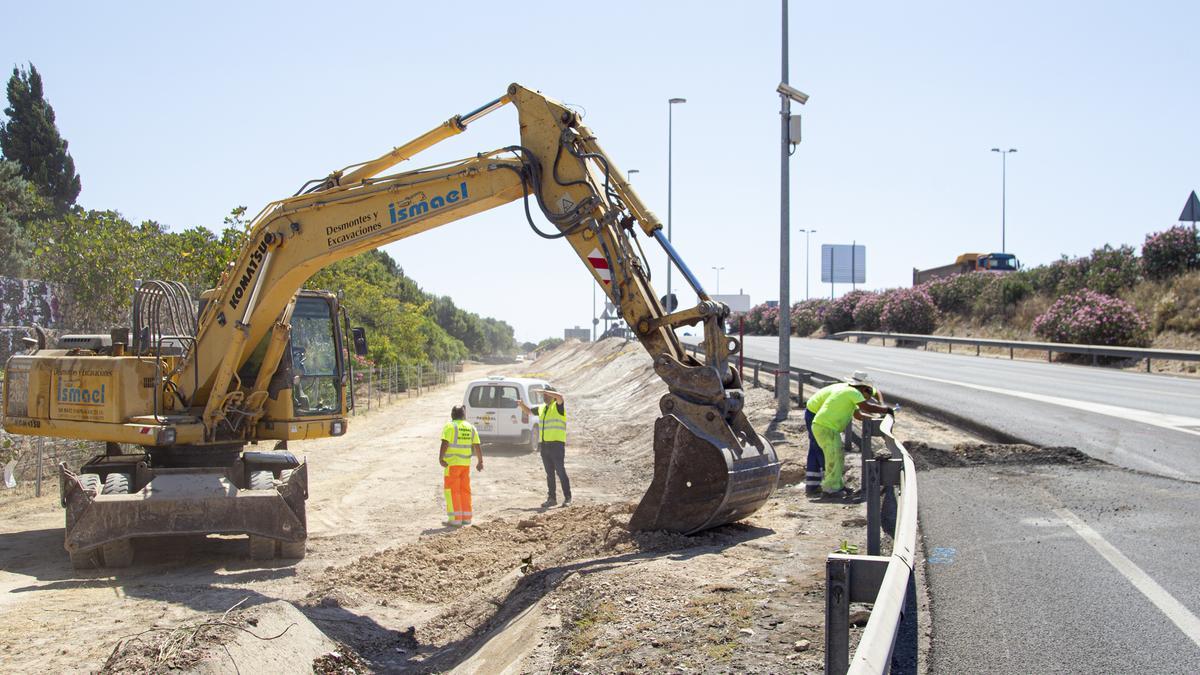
[{"x": 533, "y": 438}]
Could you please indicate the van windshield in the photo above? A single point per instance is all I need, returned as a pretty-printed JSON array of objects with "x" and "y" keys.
[{"x": 493, "y": 396}]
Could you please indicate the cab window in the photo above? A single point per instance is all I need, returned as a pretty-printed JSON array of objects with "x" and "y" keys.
[{"x": 315, "y": 368}]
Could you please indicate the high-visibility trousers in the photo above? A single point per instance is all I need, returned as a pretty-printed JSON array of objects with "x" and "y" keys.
[
  {"x": 830, "y": 441},
  {"x": 457, "y": 483}
]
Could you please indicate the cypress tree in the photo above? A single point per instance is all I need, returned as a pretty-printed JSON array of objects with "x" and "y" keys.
[{"x": 31, "y": 139}]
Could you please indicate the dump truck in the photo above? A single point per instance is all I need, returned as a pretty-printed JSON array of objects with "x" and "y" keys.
[
  {"x": 969, "y": 262},
  {"x": 184, "y": 395}
]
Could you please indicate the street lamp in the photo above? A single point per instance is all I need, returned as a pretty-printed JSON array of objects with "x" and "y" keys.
[
  {"x": 806, "y": 233},
  {"x": 670, "y": 124},
  {"x": 718, "y": 269},
  {"x": 629, "y": 175},
  {"x": 1003, "y": 194}
]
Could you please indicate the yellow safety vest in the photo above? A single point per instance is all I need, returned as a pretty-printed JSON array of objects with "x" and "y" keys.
[
  {"x": 554, "y": 425},
  {"x": 460, "y": 436}
]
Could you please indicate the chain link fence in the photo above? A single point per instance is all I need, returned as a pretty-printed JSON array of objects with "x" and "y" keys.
[
  {"x": 380, "y": 384},
  {"x": 30, "y": 463}
]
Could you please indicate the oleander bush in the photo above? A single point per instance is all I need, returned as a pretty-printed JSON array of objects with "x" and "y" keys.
[
  {"x": 808, "y": 316},
  {"x": 869, "y": 309},
  {"x": 909, "y": 310},
  {"x": 956, "y": 294},
  {"x": 1087, "y": 317},
  {"x": 840, "y": 315},
  {"x": 762, "y": 320},
  {"x": 1171, "y": 252}
]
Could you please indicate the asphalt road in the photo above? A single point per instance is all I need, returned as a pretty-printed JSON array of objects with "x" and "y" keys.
[{"x": 1051, "y": 568}]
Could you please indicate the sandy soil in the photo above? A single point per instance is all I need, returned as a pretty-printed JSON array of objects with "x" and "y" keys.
[{"x": 525, "y": 590}]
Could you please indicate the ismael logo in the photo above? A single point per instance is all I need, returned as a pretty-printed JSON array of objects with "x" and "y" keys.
[
  {"x": 83, "y": 395},
  {"x": 400, "y": 214},
  {"x": 256, "y": 258}
]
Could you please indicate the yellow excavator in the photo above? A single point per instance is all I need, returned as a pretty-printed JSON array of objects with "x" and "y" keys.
[{"x": 180, "y": 394}]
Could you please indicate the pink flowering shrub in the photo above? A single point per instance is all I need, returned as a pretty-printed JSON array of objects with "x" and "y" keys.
[
  {"x": 807, "y": 316},
  {"x": 1092, "y": 318},
  {"x": 1171, "y": 252},
  {"x": 956, "y": 294},
  {"x": 840, "y": 316},
  {"x": 909, "y": 310},
  {"x": 762, "y": 320},
  {"x": 867, "y": 312}
]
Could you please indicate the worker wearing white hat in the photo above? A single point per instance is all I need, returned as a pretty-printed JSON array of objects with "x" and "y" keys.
[{"x": 827, "y": 414}]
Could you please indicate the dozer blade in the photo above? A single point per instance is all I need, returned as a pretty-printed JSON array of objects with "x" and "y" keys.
[
  {"x": 706, "y": 472},
  {"x": 183, "y": 501}
]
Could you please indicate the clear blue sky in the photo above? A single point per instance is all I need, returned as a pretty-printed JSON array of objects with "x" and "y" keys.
[{"x": 178, "y": 112}]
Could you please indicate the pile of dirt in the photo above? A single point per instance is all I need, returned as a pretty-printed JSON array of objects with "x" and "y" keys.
[{"x": 927, "y": 456}]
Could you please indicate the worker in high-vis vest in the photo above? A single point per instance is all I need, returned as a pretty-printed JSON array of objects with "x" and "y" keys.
[
  {"x": 552, "y": 442},
  {"x": 827, "y": 414},
  {"x": 460, "y": 441}
]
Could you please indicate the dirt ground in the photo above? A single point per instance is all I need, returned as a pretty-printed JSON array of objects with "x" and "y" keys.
[{"x": 563, "y": 590}]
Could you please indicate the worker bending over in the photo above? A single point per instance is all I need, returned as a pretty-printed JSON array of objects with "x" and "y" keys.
[
  {"x": 459, "y": 441},
  {"x": 552, "y": 430},
  {"x": 827, "y": 414}
]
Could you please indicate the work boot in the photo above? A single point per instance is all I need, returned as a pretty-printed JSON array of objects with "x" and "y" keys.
[
  {"x": 566, "y": 502},
  {"x": 843, "y": 496},
  {"x": 549, "y": 502}
]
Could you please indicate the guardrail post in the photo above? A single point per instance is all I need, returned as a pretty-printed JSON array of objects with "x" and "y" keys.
[
  {"x": 756, "y": 373},
  {"x": 871, "y": 489},
  {"x": 976, "y": 350},
  {"x": 837, "y": 615},
  {"x": 1147, "y": 364},
  {"x": 1010, "y": 353}
]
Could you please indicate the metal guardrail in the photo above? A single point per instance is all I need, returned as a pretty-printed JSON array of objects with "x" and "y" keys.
[
  {"x": 885, "y": 581},
  {"x": 1095, "y": 351}
]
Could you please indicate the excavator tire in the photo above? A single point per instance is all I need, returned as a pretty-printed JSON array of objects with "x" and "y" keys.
[
  {"x": 116, "y": 553},
  {"x": 115, "y": 483},
  {"x": 90, "y": 482},
  {"x": 262, "y": 480}
]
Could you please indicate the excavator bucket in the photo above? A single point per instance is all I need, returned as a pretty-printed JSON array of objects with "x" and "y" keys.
[{"x": 707, "y": 471}]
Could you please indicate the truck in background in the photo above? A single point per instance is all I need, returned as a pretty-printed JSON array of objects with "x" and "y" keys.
[{"x": 970, "y": 262}]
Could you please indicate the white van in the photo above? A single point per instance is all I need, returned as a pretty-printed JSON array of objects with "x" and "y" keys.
[{"x": 492, "y": 407}]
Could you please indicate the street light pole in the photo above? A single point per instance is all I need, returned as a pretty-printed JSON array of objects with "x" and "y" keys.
[
  {"x": 1003, "y": 196},
  {"x": 629, "y": 175},
  {"x": 670, "y": 156},
  {"x": 789, "y": 138},
  {"x": 806, "y": 233},
  {"x": 718, "y": 269}
]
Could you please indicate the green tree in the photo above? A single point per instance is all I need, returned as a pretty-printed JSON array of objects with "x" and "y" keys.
[
  {"x": 20, "y": 204},
  {"x": 31, "y": 139}
]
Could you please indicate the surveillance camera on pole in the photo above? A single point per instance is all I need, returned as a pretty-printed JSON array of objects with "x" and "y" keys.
[{"x": 792, "y": 93}]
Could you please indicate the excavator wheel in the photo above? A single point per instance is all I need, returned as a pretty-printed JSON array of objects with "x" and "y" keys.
[
  {"x": 117, "y": 553},
  {"x": 90, "y": 482},
  {"x": 262, "y": 480}
]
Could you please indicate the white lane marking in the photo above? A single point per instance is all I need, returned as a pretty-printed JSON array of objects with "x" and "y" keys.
[
  {"x": 1173, "y": 422},
  {"x": 1166, "y": 603}
]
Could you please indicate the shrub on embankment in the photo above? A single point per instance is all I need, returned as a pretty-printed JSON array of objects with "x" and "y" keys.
[{"x": 1133, "y": 299}]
